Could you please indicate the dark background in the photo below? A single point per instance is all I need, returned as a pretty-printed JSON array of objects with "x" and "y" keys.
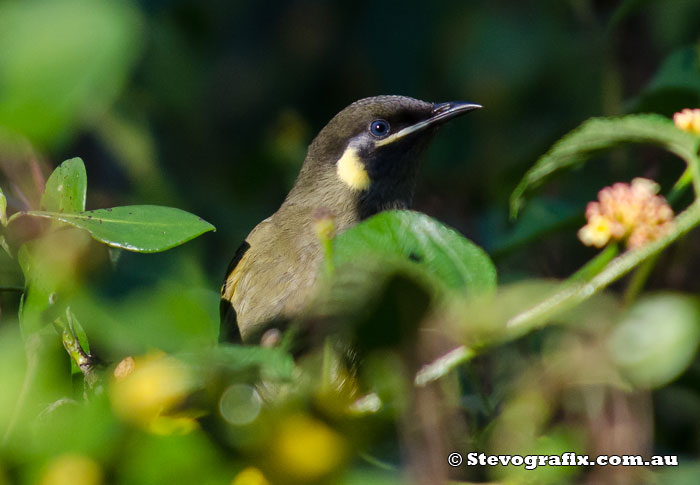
[{"x": 228, "y": 95}]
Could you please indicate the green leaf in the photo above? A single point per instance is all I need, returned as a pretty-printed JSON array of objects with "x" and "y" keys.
[
  {"x": 66, "y": 188},
  {"x": 274, "y": 363},
  {"x": 51, "y": 267},
  {"x": 599, "y": 134},
  {"x": 421, "y": 241},
  {"x": 138, "y": 228},
  {"x": 657, "y": 339},
  {"x": 3, "y": 208},
  {"x": 51, "y": 79},
  {"x": 168, "y": 316},
  {"x": 676, "y": 83}
]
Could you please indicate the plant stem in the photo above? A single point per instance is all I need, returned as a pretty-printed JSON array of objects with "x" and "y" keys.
[
  {"x": 441, "y": 366},
  {"x": 680, "y": 186},
  {"x": 641, "y": 274},
  {"x": 327, "y": 244},
  {"x": 573, "y": 293},
  {"x": 595, "y": 265},
  {"x": 12, "y": 289},
  {"x": 84, "y": 361},
  {"x": 638, "y": 278}
]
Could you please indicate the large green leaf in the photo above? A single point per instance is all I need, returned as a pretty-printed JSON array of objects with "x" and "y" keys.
[
  {"x": 599, "y": 134},
  {"x": 66, "y": 188},
  {"x": 421, "y": 241},
  {"x": 139, "y": 228}
]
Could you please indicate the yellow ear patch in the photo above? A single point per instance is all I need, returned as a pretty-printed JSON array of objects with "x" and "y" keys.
[{"x": 351, "y": 170}]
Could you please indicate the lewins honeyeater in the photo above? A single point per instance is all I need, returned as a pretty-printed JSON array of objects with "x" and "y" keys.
[{"x": 363, "y": 161}]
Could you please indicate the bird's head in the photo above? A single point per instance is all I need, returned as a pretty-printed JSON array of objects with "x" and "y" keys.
[{"x": 368, "y": 153}]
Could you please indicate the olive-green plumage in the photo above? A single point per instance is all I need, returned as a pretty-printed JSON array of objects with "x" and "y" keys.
[{"x": 363, "y": 161}]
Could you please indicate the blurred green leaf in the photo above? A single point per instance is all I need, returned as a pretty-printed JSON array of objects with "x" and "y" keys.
[
  {"x": 138, "y": 228},
  {"x": 10, "y": 274},
  {"x": 168, "y": 316},
  {"x": 424, "y": 243},
  {"x": 62, "y": 62},
  {"x": 375, "y": 477},
  {"x": 66, "y": 188},
  {"x": 599, "y": 134},
  {"x": 13, "y": 364},
  {"x": 657, "y": 339},
  {"x": 686, "y": 473},
  {"x": 156, "y": 460},
  {"x": 274, "y": 363},
  {"x": 676, "y": 83},
  {"x": 51, "y": 267}
]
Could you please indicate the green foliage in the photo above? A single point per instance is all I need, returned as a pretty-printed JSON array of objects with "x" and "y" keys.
[
  {"x": 273, "y": 363},
  {"x": 440, "y": 252},
  {"x": 678, "y": 77},
  {"x": 51, "y": 273},
  {"x": 139, "y": 228},
  {"x": 171, "y": 317},
  {"x": 418, "y": 350},
  {"x": 649, "y": 352},
  {"x": 601, "y": 134},
  {"x": 52, "y": 77},
  {"x": 66, "y": 188}
]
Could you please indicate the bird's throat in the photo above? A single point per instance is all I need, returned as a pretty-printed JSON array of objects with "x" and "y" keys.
[{"x": 351, "y": 171}]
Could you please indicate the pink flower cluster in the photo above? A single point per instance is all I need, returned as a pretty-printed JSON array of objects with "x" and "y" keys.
[{"x": 627, "y": 212}]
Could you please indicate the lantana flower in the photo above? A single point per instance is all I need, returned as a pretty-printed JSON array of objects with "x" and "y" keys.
[
  {"x": 688, "y": 120},
  {"x": 633, "y": 213}
]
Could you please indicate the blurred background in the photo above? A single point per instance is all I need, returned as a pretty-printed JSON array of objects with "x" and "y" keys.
[{"x": 208, "y": 106}]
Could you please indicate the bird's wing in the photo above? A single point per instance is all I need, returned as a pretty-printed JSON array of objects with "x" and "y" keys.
[
  {"x": 239, "y": 265},
  {"x": 229, "y": 331}
]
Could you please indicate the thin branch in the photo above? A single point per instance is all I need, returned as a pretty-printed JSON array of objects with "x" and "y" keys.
[{"x": 571, "y": 295}]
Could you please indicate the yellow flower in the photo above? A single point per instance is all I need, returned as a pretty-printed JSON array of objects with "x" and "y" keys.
[
  {"x": 72, "y": 469},
  {"x": 306, "y": 449},
  {"x": 151, "y": 387},
  {"x": 596, "y": 232},
  {"x": 688, "y": 120},
  {"x": 627, "y": 212},
  {"x": 250, "y": 476}
]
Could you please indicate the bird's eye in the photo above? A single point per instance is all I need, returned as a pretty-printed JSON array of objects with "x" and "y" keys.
[{"x": 379, "y": 128}]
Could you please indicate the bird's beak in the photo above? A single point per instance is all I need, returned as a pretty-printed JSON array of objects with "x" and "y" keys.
[{"x": 442, "y": 112}]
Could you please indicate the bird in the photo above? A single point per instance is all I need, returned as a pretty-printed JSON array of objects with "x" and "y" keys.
[{"x": 364, "y": 161}]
